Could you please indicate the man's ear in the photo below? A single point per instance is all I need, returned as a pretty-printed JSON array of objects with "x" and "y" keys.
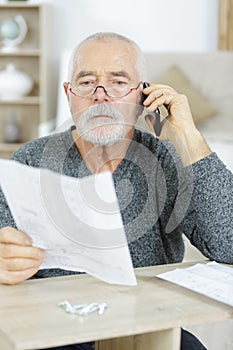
[
  {"x": 67, "y": 92},
  {"x": 65, "y": 86}
]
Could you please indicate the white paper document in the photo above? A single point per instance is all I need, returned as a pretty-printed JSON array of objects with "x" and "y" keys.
[
  {"x": 212, "y": 279},
  {"x": 77, "y": 221}
]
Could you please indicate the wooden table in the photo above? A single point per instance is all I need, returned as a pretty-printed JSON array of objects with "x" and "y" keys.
[{"x": 148, "y": 316}]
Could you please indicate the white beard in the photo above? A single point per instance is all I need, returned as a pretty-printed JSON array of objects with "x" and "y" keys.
[{"x": 101, "y": 124}]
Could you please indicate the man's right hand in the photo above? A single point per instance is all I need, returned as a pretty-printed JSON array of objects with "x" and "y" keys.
[{"x": 19, "y": 260}]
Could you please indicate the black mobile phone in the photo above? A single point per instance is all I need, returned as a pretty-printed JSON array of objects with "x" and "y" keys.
[{"x": 157, "y": 123}]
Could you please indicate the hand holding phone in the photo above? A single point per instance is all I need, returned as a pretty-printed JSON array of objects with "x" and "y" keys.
[{"x": 157, "y": 123}]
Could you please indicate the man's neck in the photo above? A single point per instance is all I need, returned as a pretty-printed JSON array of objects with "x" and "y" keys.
[{"x": 102, "y": 158}]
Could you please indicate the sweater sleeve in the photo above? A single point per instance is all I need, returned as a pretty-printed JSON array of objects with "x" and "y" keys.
[
  {"x": 208, "y": 222},
  {"x": 6, "y": 218}
]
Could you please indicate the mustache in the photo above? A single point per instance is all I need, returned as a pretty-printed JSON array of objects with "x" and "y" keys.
[{"x": 103, "y": 109}]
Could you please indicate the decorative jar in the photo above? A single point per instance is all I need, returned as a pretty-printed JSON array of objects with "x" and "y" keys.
[{"x": 14, "y": 83}]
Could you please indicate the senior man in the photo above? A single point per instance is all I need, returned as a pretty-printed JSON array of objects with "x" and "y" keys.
[{"x": 165, "y": 186}]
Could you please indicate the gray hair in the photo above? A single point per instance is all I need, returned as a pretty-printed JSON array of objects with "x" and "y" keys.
[{"x": 111, "y": 37}]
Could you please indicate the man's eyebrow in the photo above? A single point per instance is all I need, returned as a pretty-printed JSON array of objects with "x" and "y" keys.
[
  {"x": 84, "y": 73},
  {"x": 120, "y": 73}
]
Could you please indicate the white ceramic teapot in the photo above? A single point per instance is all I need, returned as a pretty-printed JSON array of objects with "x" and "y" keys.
[{"x": 14, "y": 84}]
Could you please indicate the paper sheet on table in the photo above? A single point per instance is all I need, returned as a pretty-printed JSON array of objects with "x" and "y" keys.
[
  {"x": 212, "y": 279},
  {"x": 77, "y": 221}
]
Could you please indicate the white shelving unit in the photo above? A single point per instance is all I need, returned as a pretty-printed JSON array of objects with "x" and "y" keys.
[{"x": 31, "y": 56}]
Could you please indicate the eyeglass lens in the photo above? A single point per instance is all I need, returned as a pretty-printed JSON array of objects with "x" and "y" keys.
[{"x": 112, "y": 89}]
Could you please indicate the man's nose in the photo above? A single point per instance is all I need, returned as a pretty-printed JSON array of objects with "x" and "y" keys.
[{"x": 100, "y": 94}]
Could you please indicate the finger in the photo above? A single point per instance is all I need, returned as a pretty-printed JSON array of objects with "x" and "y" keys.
[
  {"x": 11, "y": 235},
  {"x": 159, "y": 89},
  {"x": 156, "y": 94},
  {"x": 153, "y": 86},
  {"x": 152, "y": 97},
  {"x": 162, "y": 100},
  {"x": 8, "y": 251},
  {"x": 20, "y": 264},
  {"x": 14, "y": 277}
]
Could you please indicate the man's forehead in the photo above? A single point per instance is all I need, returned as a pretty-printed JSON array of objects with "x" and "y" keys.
[
  {"x": 114, "y": 47},
  {"x": 116, "y": 56}
]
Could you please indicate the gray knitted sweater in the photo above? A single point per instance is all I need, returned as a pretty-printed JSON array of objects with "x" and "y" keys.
[{"x": 158, "y": 198}]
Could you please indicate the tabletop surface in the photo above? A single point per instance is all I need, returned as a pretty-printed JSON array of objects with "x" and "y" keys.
[{"x": 31, "y": 318}]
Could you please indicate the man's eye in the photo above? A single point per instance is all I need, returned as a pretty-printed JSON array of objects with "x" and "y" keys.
[
  {"x": 120, "y": 82},
  {"x": 85, "y": 83}
]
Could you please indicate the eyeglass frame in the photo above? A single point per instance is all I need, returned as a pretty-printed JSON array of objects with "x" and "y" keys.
[{"x": 105, "y": 91}]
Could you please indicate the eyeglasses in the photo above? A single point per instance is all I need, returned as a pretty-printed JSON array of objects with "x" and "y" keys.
[{"x": 113, "y": 89}]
